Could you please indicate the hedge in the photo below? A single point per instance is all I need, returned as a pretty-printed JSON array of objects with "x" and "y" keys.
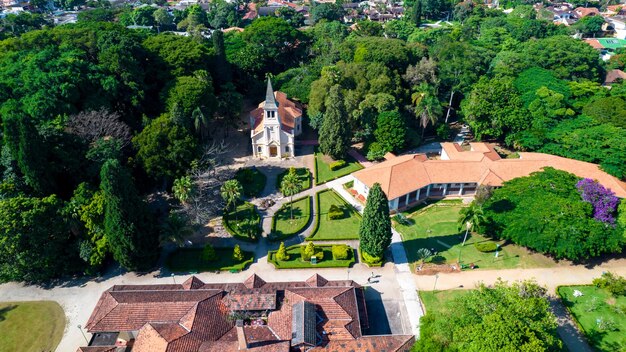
[
  {"x": 334, "y": 212},
  {"x": 486, "y": 247},
  {"x": 295, "y": 261},
  {"x": 340, "y": 251},
  {"x": 334, "y": 166},
  {"x": 369, "y": 260}
]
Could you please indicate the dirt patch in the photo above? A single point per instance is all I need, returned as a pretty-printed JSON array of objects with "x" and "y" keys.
[{"x": 432, "y": 269}]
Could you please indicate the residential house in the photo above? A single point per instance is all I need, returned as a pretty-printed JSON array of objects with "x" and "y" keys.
[
  {"x": 614, "y": 76},
  {"x": 314, "y": 315},
  {"x": 586, "y": 11},
  {"x": 274, "y": 125},
  {"x": 606, "y": 46},
  {"x": 410, "y": 179}
]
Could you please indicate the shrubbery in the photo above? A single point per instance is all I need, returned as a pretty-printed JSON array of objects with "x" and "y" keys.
[
  {"x": 612, "y": 283},
  {"x": 334, "y": 212},
  {"x": 371, "y": 260},
  {"x": 237, "y": 253},
  {"x": 208, "y": 253},
  {"x": 376, "y": 152},
  {"x": 337, "y": 165},
  {"x": 341, "y": 251},
  {"x": 308, "y": 251},
  {"x": 486, "y": 247},
  {"x": 281, "y": 253}
]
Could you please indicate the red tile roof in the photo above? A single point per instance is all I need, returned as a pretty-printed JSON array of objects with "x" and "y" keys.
[
  {"x": 482, "y": 165},
  {"x": 614, "y": 75},
  {"x": 288, "y": 112},
  {"x": 195, "y": 316}
]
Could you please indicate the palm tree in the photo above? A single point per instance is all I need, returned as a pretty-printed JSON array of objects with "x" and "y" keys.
[
  {"x": 175, "y": 229},
  {"x": 290, "y": 186},
  {"x": 231, "y": 192},
  {"x": 427, "y": 106},
  {"x": 471, "y": 218},
  {"x": 183, "y": 189},
  {"x": 422, "y": 255}
]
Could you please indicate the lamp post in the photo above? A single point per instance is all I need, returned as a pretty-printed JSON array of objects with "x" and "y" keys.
[
  {"x": 173, "y": 278},
  {"x": 82, "y": 333},
  {"x": 435, "y": 286},
  {"x": 468, "y": 225}
]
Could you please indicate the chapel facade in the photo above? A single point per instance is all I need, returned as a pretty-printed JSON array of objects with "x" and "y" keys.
[{"x": 274, "y": 124}]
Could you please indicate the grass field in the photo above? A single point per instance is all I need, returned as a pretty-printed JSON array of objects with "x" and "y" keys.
[
  {"x": 252, "y": 181},
  {"x": 323, "y": 173},
  {"x": 433, "y": 301},
  {"x": 31, "y": 326},
  {"x": 284, "y": 226},
  {"x": 346, "y": 228},
  {"x": 303, "y": 174},
  {"x": 295, "y": 262},
  {"x": 435, "y": 227},
  {"x": 244, "y": 223},
  {"x": 601, "y": 316},
  {"x": 190, "y": 260}
]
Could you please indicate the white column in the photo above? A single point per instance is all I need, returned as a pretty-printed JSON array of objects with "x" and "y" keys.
[
  {"x": 418, "y": 193},
  {"x": 461, "y": 190},
  {"x": 407, "y": 198},
  {"x": 445, "y": 190},
  {"x": 428, "y": 191}
]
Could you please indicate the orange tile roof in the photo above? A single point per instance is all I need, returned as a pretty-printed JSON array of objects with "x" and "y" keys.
[
  {"x": 194, "y": 316},
  {"x": 288, "y": 112},
  {"x": 407, "y": 173},
  {"x": 614, "y": 75}
]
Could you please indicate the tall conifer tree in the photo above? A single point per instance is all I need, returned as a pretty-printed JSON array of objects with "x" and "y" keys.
[
  {"x": 375, "y": 232},
  {"x": 334, "y": 137}
]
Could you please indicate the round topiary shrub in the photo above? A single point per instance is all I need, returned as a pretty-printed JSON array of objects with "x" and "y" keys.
[
  {"x": 334, "y": 212},
  {"x": 340, "y": 251},
  {"x": 486, "y": 247}
]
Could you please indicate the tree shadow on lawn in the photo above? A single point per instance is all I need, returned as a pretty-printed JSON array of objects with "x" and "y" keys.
[
  {"x": 285, "y": 214},
  {"x": 4, "y": 311}
]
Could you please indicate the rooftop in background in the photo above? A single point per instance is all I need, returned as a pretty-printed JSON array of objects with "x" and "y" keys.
[
  {"x": 313, "y": 315},
  {"x": 480, "y": 164},
  {"x": 606, "y": 43}
]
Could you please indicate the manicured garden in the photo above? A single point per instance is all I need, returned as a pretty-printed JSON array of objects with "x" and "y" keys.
[
  {"x": 244, "y": 223},
  {"x": 600, "y": 315},
  {"x": 345, "y": 226},
  {"x": 324, "y": 254},
  {"x": 304, "y": 175},
  {"x": 252, "y": 180},
  {"x": 194, "y": 260},
  {"x": 325, "y": 170},
  {"x": 291, "y": 219},
  {"x": 31, "y": 326},
  {"x": 435, "y": 228}
]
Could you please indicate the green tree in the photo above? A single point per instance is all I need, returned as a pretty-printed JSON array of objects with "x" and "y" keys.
[
  {"x": 333, "y": 136},
  {"x": 222, "y": 67},
  {"x": 86, "y": 208},
  {"x": 501, "y": 317},
  {"x": 127, "y": 222},
  {"x": 390, "y": 131},
  {"x": 290, "y": 186},
  {"x": 183, "y": 189},
  {"x": 567, "y": 228},
  {"x": 164, "y": 149},
  {"x": 471, "y": 218},
  {"x": 193, "y": 92},
  {"x": 175, "y": 229},
  {"x": 162, "y": 18},
  {"x": 237, "y": 253},
  {"x": 610, "y": 110},
  {"x": 375, "y": 231},
  {"x": 36, "y": 243},
  {"x": 493, "y": 108},
  {"x": 208, "y": 253},
  {"x": 368, "y": 28},
  {"x": 277, "y": 43},
  {"x": 326, "y": 11},
  {"x": 281, "y": 253},
  {"x": 231, "y": 192},
  {"x": 293, "y": 17},
  {"x": 589, "y": 26},
  {"x": 417, "y": 13}
]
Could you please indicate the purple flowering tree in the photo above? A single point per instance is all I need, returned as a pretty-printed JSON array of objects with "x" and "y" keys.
[{"x": 604, "y": 201}]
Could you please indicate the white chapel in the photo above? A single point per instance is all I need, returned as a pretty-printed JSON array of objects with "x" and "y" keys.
[{"x": 274, "y": 125}]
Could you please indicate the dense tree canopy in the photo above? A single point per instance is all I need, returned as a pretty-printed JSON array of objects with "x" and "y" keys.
[
  {"x": 567, "y": 227},
  {"x": 504, "y": 317}
]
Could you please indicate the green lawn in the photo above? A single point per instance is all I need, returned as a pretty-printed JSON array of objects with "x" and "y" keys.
[
  {"x": 252, "y": 180},
  {"x": 31, "y": 326},
  {"x": 303, "y": 174},
  {"x": 244, "y": 223},
  {"x": 346, "y": 228},
  {"x": 435, "y": 227},
  {"x": 295, "y": 262},
  {"x": 284, "y": 226},
  {"x": 190, "y": 260},
  {"x": 323, "y": 173},
  {"x": 601, "y": 316},
  {"x": 434, "y": 301}
]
